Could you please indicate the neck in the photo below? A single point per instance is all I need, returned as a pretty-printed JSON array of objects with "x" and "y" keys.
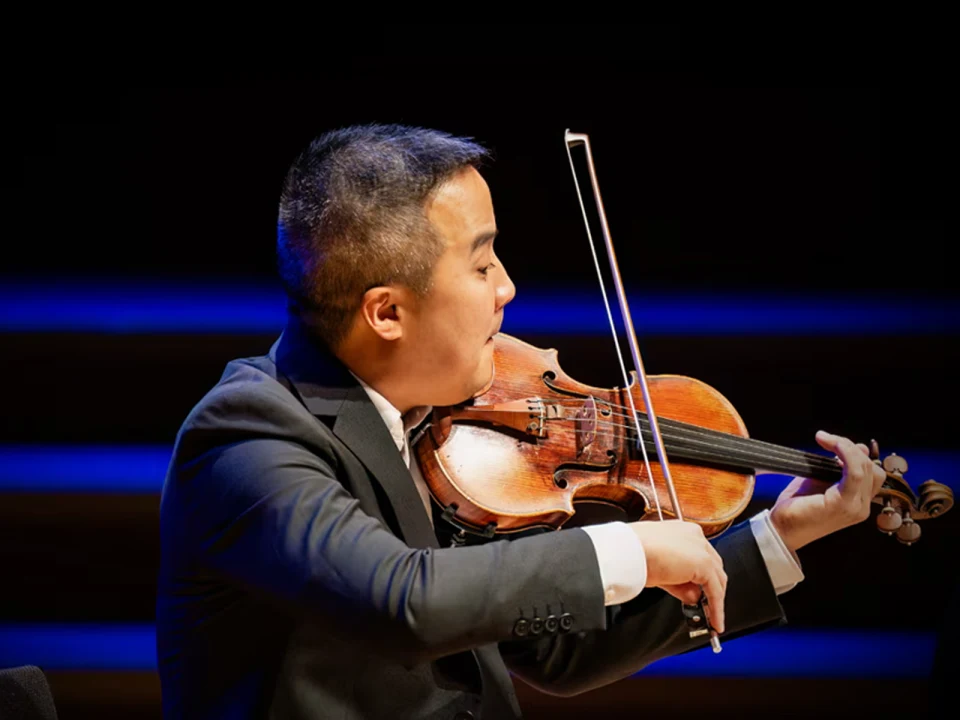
[{"x": 375, "y": 362}]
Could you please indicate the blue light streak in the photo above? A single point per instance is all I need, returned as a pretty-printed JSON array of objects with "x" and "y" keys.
[
  {"x": 141, "y": 469},
  {"x": 774, "y": 652},
  {"x": 807, "y": 653},
  {"x": 56, "y": 646},
  {"x": 152, "y": 306},
  {"x": 83, "y": 468}
]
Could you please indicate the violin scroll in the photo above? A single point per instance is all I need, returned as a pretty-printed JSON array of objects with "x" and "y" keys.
[
  {"x": 935, "y": 498},
  {"x": 901, "y": 507}
]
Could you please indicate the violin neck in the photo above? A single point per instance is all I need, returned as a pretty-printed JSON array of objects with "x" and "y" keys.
[{"x": 698, "y": 445}]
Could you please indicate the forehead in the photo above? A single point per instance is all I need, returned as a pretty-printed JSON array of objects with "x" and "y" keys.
[{"x": 461, "y": 208}]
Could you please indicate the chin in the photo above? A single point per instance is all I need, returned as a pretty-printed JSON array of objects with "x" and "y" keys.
[
  {"x": 480, "y": 381},
  {"x": 485, "y": 375}
]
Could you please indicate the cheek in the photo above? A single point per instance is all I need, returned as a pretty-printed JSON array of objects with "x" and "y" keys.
[
  {"x": 450, "y": 341},
  {"x": 457, "y": 332}
]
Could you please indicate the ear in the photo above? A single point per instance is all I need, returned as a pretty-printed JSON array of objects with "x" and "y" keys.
[{"x": 384, "y": 310}]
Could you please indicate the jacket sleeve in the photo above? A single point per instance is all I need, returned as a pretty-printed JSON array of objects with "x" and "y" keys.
[
  {"x": 269, "y": 516},
  {"x": 648, "y": 628}
]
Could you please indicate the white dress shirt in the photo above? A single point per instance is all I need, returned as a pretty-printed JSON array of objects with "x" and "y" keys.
[{"x": 620, "y": 554}]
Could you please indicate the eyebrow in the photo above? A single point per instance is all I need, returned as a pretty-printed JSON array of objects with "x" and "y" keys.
[{"x": 482, "y": 239}]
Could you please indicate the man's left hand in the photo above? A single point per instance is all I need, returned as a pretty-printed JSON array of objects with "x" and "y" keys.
[{"x": 809, "y": 509}]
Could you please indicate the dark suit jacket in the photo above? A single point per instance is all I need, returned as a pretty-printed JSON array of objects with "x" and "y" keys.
[{"x": 300, "y": 576}]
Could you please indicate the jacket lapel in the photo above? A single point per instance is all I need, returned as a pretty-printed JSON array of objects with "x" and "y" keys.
[
  {"x": 327, "y": 389},
  {"x": 362, "y": 429}
]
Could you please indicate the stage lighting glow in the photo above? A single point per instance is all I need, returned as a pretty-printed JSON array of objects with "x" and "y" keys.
[
  {"x": 83, "y": 468},
  {"x": 116, "y": 306},
  {"x": 142, "y": 468},
  {"x": 774, "y": 652}
]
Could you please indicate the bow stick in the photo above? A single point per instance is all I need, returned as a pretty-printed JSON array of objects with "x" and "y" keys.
[{"x": 695, "y": 614}]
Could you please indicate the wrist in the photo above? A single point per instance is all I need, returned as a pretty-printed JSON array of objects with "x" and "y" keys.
[{"x": 789, "y": 535}]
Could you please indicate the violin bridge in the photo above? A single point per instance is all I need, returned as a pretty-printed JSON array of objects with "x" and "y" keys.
[{"x": 586, "y": 425}]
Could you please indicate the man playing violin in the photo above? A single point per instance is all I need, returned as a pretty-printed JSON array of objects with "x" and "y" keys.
[{"x": 305, "y": 570}]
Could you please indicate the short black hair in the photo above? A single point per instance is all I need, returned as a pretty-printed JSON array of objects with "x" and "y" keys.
[{"x": 353, "y": 216}]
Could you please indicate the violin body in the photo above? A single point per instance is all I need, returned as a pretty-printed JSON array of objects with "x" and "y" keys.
[
  {"x": 504, "y": 479},
  {"x": 537, "y": 449}
]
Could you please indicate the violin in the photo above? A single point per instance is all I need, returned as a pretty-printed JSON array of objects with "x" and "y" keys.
[{"x": 535, "y": 446}]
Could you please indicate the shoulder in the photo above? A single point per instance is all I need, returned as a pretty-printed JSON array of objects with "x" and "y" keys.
[{"x": 248, "y": 402}]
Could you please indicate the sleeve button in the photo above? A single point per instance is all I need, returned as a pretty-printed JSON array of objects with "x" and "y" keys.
[
  {"x": 566, "y": 622},
  {"x": 521, "y": 628},
  {"x": 536, "y": 626},
  {"x": 551, "y": 624}
]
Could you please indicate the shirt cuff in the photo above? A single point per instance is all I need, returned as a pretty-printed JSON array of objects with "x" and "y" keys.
[
  {"x": 783, "y": 565},
  {"x": 623, "y": 563}
]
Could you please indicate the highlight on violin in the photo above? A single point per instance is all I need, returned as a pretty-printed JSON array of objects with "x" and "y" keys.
[{"x": 432, "y": 405}]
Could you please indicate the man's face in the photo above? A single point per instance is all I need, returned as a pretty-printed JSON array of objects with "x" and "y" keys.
[{"x": 451, "y": 336}]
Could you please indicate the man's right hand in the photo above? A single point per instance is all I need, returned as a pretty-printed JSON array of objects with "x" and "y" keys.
[{"x": 680, "y": 560}]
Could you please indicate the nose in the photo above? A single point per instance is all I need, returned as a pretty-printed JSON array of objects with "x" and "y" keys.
[{"x": 505, "y": 290}]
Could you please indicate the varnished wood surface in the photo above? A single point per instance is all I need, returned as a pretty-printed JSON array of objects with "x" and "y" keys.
[{"x": 506, "y": 477}]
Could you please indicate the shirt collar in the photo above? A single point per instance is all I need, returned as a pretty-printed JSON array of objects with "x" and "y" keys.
[{"x": 398, "y": 425}]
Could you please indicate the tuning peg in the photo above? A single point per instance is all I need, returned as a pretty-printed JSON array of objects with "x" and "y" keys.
[
  {"x": 893, "y": 463},
  {"x": 889, "y": 519},
  {"x": 875, "y": 452},
  {"x": 909, "y": 532}
]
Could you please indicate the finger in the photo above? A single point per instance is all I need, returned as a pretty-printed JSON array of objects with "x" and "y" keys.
[
  {"x": 827, "y": 441},
  {"x": 714, "y": 587},
  {"x": 879, "y": 477},
  {"x": 716, "y": 557},
  {"x": 864, "y": 448},
  {"x": 721, "y": 584},
  {"x": 717, "y": 613},
  {"x": 844, "y": 448},
  {"x": 855, "y": 463}
]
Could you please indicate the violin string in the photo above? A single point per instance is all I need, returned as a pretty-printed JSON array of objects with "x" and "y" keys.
[
  {"x": 679, "y": 441},
  {"x": 824, "y": 471},
  {"x": 707, "y": 432},
  {"x": 741, "y": 450},
  {"x": 728, "y": 452},
  {"x": 688, "y": 454},
  {"x": 716, "y": 433},
  {"x": 742, "y": 444},
  {"x": 750, "y": 445}
]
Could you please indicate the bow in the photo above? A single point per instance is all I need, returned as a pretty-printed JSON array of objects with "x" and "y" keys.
[{"x": 696, "y": 616}]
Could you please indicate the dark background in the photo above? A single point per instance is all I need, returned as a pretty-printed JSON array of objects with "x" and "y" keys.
[{"x": 729, "y": 160}]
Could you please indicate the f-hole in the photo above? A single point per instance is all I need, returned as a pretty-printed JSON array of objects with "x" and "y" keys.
[{"x": 549, "y": 377}]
